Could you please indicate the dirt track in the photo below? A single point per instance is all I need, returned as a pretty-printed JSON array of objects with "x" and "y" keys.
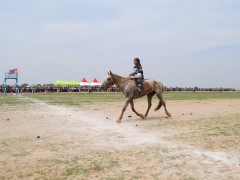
[{"x": 45, "y": 141}]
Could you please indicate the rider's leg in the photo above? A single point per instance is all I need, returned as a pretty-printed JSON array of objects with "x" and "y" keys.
[{"x": 139, "y": 83}]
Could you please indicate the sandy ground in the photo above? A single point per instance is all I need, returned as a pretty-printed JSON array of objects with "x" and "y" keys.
[{"x": 41, "y": 141}]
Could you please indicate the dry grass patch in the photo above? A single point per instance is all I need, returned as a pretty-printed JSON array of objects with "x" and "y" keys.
[{"x": 215, "y": 133}]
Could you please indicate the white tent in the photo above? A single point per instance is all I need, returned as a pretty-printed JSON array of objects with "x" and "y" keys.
[
  {"x": 95, "y": 83},
  {"x": 84, "y": 82}
]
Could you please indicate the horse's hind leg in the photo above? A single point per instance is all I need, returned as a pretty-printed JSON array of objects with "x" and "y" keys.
[
  {"x": 133, "y": 109},
  {"x": 123, "y": 110},
  {"x": 162, "y": 103},
  {"x": 150, "y": 96}
]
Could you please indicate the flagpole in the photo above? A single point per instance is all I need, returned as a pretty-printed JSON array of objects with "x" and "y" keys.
[{"x": 5, "y": 85}]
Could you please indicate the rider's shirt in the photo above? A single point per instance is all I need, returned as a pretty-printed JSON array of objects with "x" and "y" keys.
[{"x": 138, "y": 69}]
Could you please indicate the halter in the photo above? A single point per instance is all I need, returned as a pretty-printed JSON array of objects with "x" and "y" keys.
[{"x": 107, "y": 83}]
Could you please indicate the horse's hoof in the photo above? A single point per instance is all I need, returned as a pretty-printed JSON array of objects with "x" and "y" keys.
[
  {"x": 169, "y": 115},
  {"x": 142, "y": 116},
  {"x": 118, "y": 121}
]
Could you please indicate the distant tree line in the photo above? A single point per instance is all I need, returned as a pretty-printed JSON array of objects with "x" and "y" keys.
[{"x": 50, "y": 88}]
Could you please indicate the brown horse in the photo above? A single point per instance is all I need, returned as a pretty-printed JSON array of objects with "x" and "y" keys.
[{"x": 129, "y": 89}]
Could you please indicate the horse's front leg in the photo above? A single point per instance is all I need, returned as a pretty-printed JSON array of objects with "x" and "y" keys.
[
  {"x": 123, "y": 110},
  {"x": 133, "y": 109}
]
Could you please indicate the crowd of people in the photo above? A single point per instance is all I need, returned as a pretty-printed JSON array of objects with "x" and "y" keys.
[
  {"x": 50, "y": 88},
  {"x": 189, "y": 89}
]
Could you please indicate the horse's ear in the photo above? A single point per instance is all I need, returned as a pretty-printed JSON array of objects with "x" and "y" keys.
[
  {"x": 111, "y": 73},
  {"x": 108, "y": 73}
]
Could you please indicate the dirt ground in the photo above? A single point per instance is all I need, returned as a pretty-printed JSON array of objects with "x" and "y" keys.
[{"x": 41, "y": 141}]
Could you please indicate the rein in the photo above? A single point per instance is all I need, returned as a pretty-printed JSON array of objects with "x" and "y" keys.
[{"x": 115, "y": 79}]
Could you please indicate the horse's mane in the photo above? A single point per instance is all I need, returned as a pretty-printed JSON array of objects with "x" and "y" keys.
[{"x": 120, "y": 77}]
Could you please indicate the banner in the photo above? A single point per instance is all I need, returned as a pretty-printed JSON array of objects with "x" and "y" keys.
[{"x": 13, "y": 71}]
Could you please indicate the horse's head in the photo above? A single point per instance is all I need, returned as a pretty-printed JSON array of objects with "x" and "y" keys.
[{"x": 108, "y": 82}]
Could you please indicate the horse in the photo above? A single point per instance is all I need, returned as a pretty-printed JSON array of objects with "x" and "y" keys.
[{"x": 129, "y": 88}]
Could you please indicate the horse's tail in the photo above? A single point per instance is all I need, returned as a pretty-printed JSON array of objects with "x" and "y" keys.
[
  {"x": 161, "y": 86},
  {"x": 161, "y": 102}
]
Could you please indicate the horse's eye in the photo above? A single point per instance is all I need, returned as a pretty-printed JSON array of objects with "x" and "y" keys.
[{"x": 108, "y": 79}]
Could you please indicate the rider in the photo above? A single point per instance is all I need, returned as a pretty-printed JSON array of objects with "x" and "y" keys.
[{"x": 138, "y": 73}]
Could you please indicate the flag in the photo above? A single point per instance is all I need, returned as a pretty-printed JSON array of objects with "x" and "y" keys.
[
  {"x": 16, "y": 70},
  {"x": 10, "y": 72}
]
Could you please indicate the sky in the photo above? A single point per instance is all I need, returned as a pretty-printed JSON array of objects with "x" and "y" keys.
[{"x": 183, "y": 43}]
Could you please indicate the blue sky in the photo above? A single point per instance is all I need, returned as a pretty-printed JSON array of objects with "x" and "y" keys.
[{"x": 181, "y": 43}]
